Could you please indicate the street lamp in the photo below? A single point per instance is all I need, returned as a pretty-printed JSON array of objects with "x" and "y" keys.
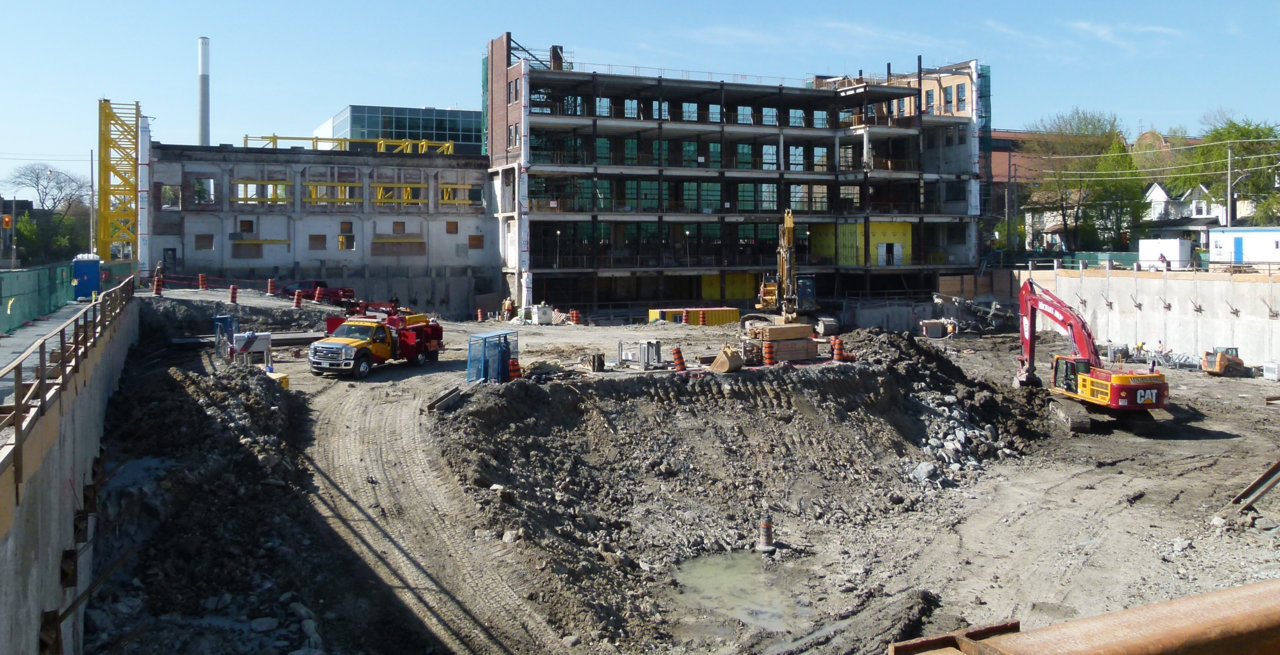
[
  {"x": 557, "y": 248},
  {"x": 687, "y": 261}
]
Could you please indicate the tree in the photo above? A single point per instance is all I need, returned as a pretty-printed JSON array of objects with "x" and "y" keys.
[
  {"x": 56, "y": 190},
  {"x": 1254, "y": 161},
  {"x": 1067, "y": 146},
  {"x": 1118, "y": 201},
  {"x": 58, "y": 230}
]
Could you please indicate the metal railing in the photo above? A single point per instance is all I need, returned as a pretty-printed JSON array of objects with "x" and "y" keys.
[
  {"x": 40, "y": 374},
  {"x": 678, "y": 74}
]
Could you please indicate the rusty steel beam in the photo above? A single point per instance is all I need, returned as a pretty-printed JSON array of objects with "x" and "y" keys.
[
  {"x": 1241, "y": 620},
  {"x": 1256, "y": 489}
]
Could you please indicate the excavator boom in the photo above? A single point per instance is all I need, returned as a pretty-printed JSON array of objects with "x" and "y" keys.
[{"x": 1034, "y": 300}]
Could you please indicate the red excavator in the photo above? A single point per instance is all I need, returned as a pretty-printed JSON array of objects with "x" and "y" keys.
[{"x": 1124, "y": 394}]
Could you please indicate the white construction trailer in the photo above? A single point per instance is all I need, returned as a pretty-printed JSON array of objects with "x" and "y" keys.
[{"x": 1240, "y": 246}]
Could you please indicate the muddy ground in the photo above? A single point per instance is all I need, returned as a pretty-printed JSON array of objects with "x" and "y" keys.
[{"x": 911, "y": 491}]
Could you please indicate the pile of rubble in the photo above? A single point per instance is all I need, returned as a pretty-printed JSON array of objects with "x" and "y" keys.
[
  {"x": 208, "y": 543},
  {"x": 609, "y": 484},
  {"x": 167, "y": 317},
  {"x": 965, "y": 421}
]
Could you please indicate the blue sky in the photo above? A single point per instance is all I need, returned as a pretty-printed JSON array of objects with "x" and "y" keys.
[{"x": 285, "y": 67}]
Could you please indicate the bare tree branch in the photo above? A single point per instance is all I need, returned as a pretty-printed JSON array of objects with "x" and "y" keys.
[{"x": 56, "y": 190}]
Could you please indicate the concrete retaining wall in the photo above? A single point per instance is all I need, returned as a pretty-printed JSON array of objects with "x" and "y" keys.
[
  {"x": 1189, "y": 312},
  {"x": 37, "y": 522}
]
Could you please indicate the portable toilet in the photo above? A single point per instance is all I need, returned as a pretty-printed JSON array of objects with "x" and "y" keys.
[{"x": 86, "y": 275}]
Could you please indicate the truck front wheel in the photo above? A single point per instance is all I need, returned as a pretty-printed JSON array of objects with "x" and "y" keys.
[
  {"x": 362, "y": 367},
  {"x": 433, "y": 355},
  {"x": 420, "y": 359}
]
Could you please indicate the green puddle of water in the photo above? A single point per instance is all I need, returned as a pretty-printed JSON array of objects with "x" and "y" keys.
[{"x": 738, "y": 586}]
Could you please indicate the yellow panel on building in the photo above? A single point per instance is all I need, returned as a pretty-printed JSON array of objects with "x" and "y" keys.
[
  {"x": 711, "y": 287},
  {"x": 850, "y": 242},
  {"x": 740, "y": 286},
  {"x": 896, "y": 233},
  {"x": 822, "y": 241}
]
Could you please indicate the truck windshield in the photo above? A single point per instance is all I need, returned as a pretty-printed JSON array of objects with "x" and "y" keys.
[{"x": 350, "y": 331}]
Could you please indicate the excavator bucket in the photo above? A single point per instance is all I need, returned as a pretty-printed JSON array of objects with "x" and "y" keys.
[{"x": 728, "y": 361}]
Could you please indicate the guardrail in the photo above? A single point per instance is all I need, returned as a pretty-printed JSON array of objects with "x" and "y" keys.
[{"x": 40, "y": 373}]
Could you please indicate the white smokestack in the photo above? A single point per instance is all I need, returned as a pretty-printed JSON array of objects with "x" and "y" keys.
[{"x": 202, "y": 50}]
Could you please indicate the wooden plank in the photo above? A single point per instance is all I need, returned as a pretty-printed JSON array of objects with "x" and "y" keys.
[
  {"x": 782, "y": 332},
  {"x": 444, "y": 400}
]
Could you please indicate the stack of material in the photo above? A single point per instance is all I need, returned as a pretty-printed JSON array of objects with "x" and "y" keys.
[
  {"x": 780, "y": 332},
  {"x": 790, "y": 342},
  {"x": 792, "y": 350}
]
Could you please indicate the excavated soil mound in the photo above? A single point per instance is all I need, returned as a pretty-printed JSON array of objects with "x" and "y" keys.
[{"x": 610, "y": 484}]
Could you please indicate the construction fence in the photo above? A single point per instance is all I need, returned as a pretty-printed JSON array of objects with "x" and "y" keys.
[{"x": 30, "y": 293}]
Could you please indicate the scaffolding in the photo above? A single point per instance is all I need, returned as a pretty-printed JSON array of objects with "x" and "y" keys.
[
  {"x": 117, "y": 178},
  {"x": 402, "y": 146}
]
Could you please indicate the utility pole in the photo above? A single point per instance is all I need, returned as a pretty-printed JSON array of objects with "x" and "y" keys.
[
  {"x": 93, "y": 209},
  {"x": 1231, "y": 205},
  {"x": 1016, "y": 206}
]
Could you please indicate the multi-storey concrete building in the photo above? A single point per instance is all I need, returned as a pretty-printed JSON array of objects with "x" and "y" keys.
[
  {"x": 409, "y": 224},
  {"x": 620, "y": 188}
]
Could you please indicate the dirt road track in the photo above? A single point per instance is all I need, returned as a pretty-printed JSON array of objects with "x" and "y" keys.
[{"x": 382, "y": 485}]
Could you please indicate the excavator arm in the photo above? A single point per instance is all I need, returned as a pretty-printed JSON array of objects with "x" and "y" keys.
[
  {"x": 1035, "y": 299},
  {"x": 787, "y": 268}
]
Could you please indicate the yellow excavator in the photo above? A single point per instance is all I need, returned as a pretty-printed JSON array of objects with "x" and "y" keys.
[{"x": 785, "y": 296}]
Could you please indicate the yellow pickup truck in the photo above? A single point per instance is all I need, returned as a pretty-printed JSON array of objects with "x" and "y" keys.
[{"x": 356, "y": 344}]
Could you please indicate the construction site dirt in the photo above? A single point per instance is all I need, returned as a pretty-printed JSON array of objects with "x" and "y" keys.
[{"x": 910, "y": 491}]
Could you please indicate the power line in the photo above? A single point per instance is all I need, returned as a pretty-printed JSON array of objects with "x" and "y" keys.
[
  {"x": 1166, "y": 168},
  {"x": 59, "y": 158},
  {"x": 1136, "y": 177},
  {"x": 1131, "y": 153}
]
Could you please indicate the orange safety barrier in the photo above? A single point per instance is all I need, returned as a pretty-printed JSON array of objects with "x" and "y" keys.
[
  {"x": 684, "y": 317},
  {"x": 233, "y": 289},
  {"x": 837, "y": 350},
  {"x": 513, "y": 369},
  {"x": 679, "y": 357},
  {"x": 702, "y": 317},
  {"x": 575, "y": 317},
  {"x": 770, "y": 355},
  {"x": 203, "y": 282},
  {"x": 271, "y": 286},
  {"x": 480, "y": 315},
  {"x": 157, "y": 286},
  {"x": 765, "y": 542},
  {"x": 297, "y": 299},
  {"x": 319, "y": 294}
]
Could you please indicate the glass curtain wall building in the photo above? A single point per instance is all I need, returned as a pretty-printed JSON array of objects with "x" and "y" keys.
[{"x": 462, "y": 126}]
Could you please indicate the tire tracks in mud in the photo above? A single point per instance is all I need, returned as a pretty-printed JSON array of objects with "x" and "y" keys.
[{"x": 385, "y": 489}]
